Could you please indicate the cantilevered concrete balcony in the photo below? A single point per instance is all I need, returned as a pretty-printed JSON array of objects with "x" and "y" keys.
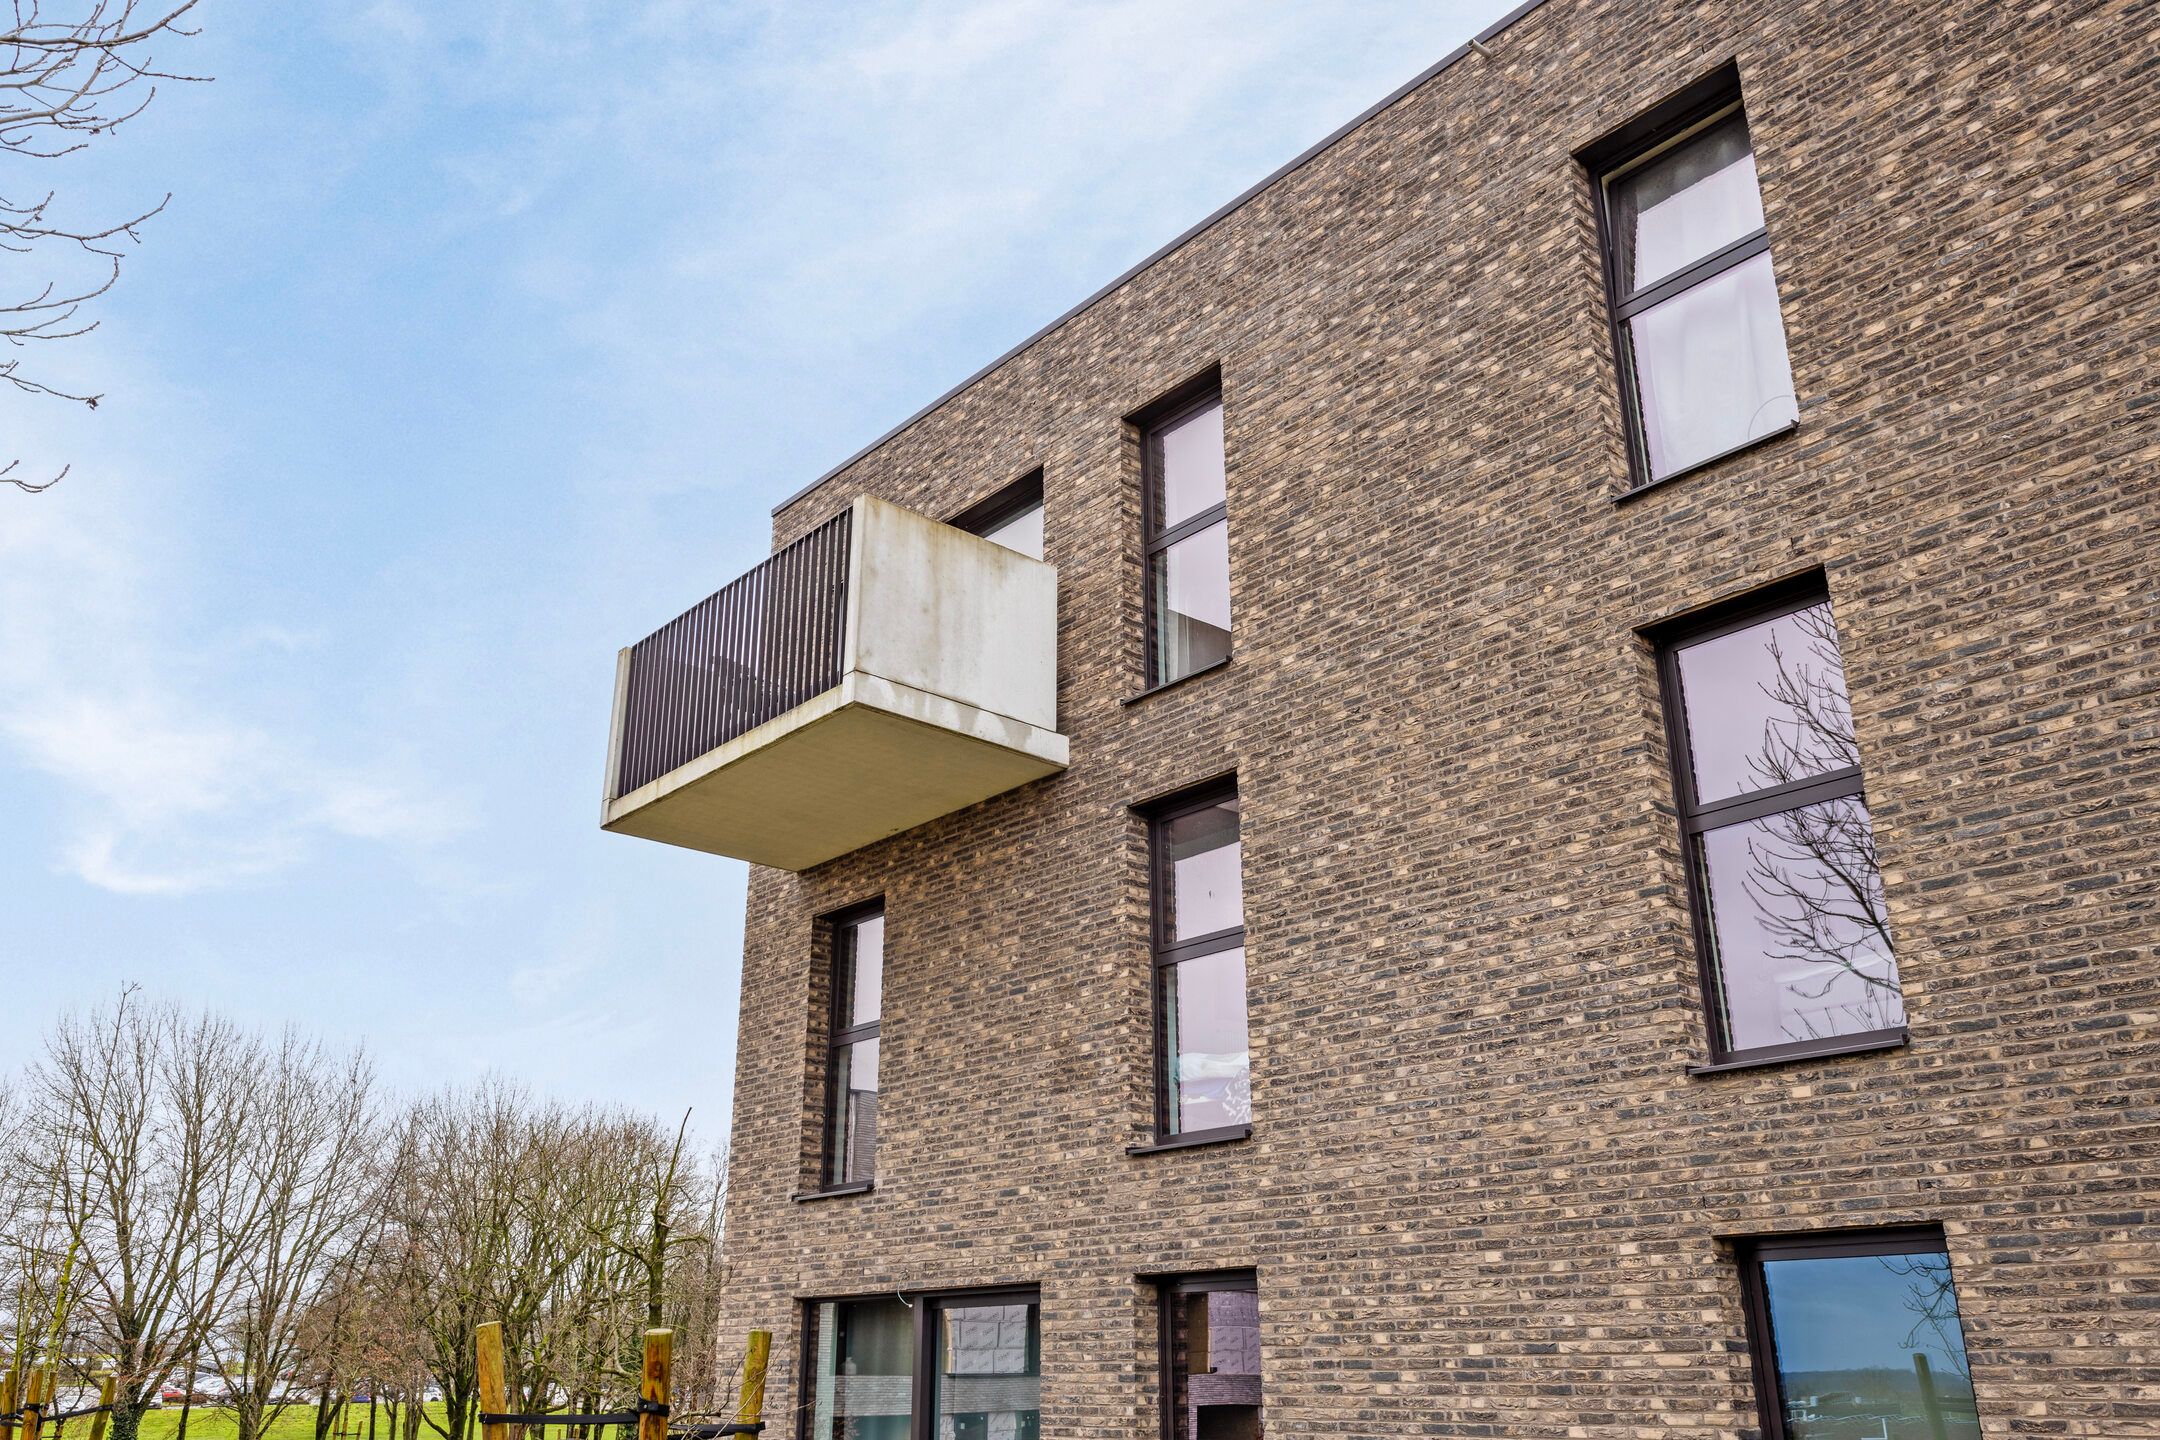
[{"x": 879, "y": 672}]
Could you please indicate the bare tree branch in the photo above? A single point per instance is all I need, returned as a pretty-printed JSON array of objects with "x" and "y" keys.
[{"x": 67, "y": 78}]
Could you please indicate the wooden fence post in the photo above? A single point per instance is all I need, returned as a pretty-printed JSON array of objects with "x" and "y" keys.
[
  {"x": 7, "y": 1406},
  {"x": 488, "y": 1362},
  {"x": 40, "y": 1399},
  {"x": 750, "y": 1409},
  {"x": 653, "y": 1385},
  {"x": 108, "y": 1385}
]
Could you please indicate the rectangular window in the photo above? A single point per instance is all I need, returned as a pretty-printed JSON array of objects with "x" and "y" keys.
[
  {"x": 863, "y": 1370},
  {"x": 1013, "y": 517},
  {"x": 1857, "y": 1335},
  {"x": 1700, "y": 341},
  {"x": 988, "y": 1373},
  {"x": 1788, "y": 893},
  {"x": 959, "y": 1367},
  {"x": 1188, "y": 536},
  {"x": 1202, "y": 1057},
  {"x": 1211, "y": 1358},
  {"x": 858, "y": 987}
]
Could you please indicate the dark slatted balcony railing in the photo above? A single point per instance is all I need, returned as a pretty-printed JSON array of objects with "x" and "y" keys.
[
  {"x": 880, "y": 672},
  {"x": 765, "y": 644}
]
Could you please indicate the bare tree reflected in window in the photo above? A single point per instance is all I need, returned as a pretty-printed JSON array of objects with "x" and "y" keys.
[
  {"x": 1813, "y": 872},
  {"x": 1863, "y": 1336},
  {"x": 1785, "y": 854},
  {"x": 1931, "y": 1297}
]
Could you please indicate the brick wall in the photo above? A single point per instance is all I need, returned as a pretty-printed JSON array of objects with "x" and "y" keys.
[{"x": 1483, "y": 1195}]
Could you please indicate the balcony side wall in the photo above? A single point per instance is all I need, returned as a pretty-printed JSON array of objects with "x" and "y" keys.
[{"x": 955, "y": 615}]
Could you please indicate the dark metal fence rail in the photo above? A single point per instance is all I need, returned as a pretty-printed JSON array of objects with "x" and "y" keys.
[{"x": 759, "y": 648}]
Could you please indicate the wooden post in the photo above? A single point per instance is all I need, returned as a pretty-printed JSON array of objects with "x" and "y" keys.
[
  {"x": 488, "y": 1362},
  {"x": 108, "y": 1385},
  {"x": 40, "y": 1399},
  {"x": 750, "y": 1409},
  {"x": 1928, "y": 1402},
  {"x": 653, "y": 1384},
  {"x": 7, "y": 1405}
]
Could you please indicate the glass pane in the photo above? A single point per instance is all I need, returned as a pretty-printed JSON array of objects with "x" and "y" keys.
[
  {"x": 865, "y": 1366},
  {"x": 1210, "y": 1072},
  {"x": 1870, "y": 1346},
  {"x": 1710, "y": 368},
  {"x": 1801, "y": 939},
  {"x": 1201, "y": 856},
  {"x": 1023, "y": 532},
  {"x": 1191, "y": 588},
  {"x": 1691, "y": 201},
  {"x": 851, "y": 1128},
  {"x": 862, "y": 970},
  {"x": 1766, "y": 705},
  {"x": 1215, "y": 1365},
  {"x": 1188, "y": 466},
  {"x": 989, "y": 1377}
]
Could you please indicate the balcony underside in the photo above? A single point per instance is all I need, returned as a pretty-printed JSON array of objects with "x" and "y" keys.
[{"x": 863, "y": 761}]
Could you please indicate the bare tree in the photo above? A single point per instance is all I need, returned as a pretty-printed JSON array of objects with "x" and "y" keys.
[
  {"x": 451, "y": 1208},
  {"x": 69, "y": 73},
  {"x": 142, "y": 1118},
  {"x": 1813, "y": 872},
  {"x": 1931, "y": 1298},
  {"x": 310, "y": 1159}
]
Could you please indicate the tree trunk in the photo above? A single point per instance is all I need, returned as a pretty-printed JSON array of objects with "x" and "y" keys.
[{"x": 127, "y": 1420}]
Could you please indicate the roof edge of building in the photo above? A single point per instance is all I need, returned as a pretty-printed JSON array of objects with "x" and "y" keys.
[{"x": 1237, "y": 203}]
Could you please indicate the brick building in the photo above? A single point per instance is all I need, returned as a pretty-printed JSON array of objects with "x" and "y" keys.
[{"x": 1564, "y": 842}]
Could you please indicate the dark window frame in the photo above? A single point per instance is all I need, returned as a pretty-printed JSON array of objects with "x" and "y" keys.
[
  {"x": 924, "y": 1307},
  {"x": 1181, "y": 404},
  {"x": 1164, "y": 953},
  {"x": 1750, "y": 1252},
  {"x": 1695, "y": 108},
  {"x": 1169, "y": 1290},
  {"x": 1694, "y": 818},
  {"x": 1006, "y": 503},
  {"x": 840, "y": 928}
]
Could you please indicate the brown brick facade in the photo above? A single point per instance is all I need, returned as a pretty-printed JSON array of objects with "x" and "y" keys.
[{"x": 1483, "y": 1195}]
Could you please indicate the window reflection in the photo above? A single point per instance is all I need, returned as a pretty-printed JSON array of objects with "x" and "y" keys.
[
  {"x": 989, "y": 1372},
  {"x": 1022, "y": 532},
  {"x": 1189, "y": 468},
  {"x": 862, "y": 971},
  {"x": 1802, "y": 940},
  {"x": 1203, "y": 1054},
  {"x": 853, "y": 1125},
  {"x": 858, "y": 978},
  {"x": 1781, "y": 843},
  {"x": 1205, "y": 1043},
  {"x": 1767, "y": 705},
  {"x": 1696, "y": 299},
  {"x": 1869, "y": 1346},
  {"x": 1688, "y": 203},
  {"x": 1711, "y": 372},
  {"x": 863, "y": 1354},
  {"x": 1192, "y": 603},
  {"x": 1188, "y": 543},
  {"x": 1214, "y": 1379},
  {"x": 1206, "y": 892}
]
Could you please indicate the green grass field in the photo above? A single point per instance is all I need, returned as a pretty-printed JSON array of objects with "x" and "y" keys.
[{"x": 208, "y": 1422}]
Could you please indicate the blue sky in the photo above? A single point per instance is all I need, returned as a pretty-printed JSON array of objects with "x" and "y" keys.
[{"x": 478, "y": 340}]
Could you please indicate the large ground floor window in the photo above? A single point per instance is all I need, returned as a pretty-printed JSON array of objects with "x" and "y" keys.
[
  {"x": 1211, "y": 1357},
  {"x": 925, "y": 1367},
  {"x": 1857, "y": 1337}
]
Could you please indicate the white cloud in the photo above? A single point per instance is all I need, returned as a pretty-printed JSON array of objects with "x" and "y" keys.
[{"x": 123, "y": 684}]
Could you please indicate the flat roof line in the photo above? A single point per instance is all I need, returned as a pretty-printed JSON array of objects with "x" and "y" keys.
[{"x": 1303, "y": 158}]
